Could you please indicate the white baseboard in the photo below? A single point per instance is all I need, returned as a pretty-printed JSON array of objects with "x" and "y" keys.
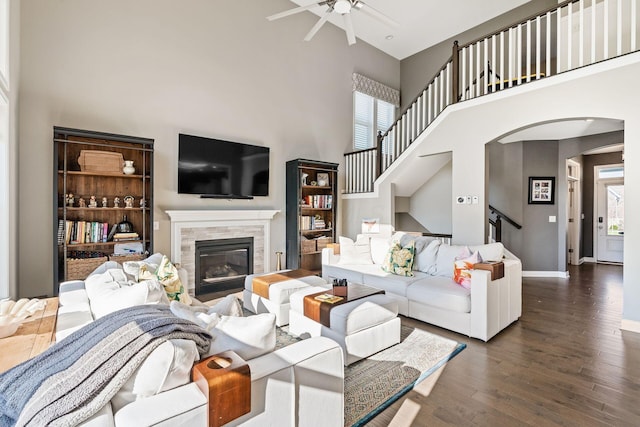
[
  {"x": 556, "y": 274},
  {"x": 588, "y": 259},
  {"x": 630, "y": 325}
]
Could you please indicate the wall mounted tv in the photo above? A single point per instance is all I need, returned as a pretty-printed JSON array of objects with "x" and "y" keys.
[{"x": 213, "y": 168}]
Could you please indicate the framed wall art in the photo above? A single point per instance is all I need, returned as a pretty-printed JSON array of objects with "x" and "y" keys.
[
  {"x": 323, "y": 179},
  {"x": 542, "y": 190}
]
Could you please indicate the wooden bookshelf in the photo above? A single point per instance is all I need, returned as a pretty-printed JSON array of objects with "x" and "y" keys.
[
  {"x": 321, "y": 202},
  {"x": 73, "y": 176}
]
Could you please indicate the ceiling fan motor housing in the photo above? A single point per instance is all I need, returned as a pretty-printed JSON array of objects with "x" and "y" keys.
[{"x": 342, "y": 6}]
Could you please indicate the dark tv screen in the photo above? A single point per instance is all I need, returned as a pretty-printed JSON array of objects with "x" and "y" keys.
[{"x": 217, "y": 168}]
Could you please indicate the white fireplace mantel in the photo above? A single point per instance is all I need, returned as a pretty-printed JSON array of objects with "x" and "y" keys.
[
  {"x": 220, "y": 215},
  {"x": 189, "y": 222}
]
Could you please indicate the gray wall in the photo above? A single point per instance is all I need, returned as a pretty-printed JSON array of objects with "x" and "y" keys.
[
  {"x": 505, "y": 189},
  {"x": 155, "y": 68},
  {"x": 511, "y": 165},
  {"x": 539, "y": 236},
  {"x": 431, "y": 204},
  {"x": 587, "y": 195},
  {"x": 418, "y": 69},
  {"x": 10, "y": 215}
]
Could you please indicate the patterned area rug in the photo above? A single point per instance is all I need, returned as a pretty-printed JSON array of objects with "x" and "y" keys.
[{"x": 372, "y": 384}]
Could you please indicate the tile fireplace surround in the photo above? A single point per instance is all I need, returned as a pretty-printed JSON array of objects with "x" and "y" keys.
[{"x": 187, "y": 226}]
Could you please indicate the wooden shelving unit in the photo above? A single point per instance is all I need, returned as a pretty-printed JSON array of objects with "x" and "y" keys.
[
  {"x": 71, "y": 177},
  {"x": 305, "y": 236}
]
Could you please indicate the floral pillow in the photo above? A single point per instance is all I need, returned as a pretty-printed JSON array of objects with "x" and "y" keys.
[
  {"x": 462, "y": 267},
  {"x": 167, "y": 274},
  {"x": 399, "y": 259}
]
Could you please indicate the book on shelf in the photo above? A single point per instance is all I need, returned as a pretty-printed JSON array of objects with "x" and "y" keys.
[
  {"x": 318, "y": 201},
  {"x": 80, "y": 232},
  {"x": 114, "y": 228},
  {"x": 119, "y": 237},
  {"x": 328, "y": 298},
  {"x": 61, "y": 231},
  {"x": 307, "y": 223}
]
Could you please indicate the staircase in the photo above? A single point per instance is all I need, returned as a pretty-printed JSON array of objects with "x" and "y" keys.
[{"x": 572, "y": 35}]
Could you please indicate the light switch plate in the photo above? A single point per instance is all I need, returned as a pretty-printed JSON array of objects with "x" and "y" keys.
[
  {"x": 552, "y": 218},
  {"x": 156, "y": 225},
  {"x": 467, "y": 200},
  {"x": 475, "y": 200}
]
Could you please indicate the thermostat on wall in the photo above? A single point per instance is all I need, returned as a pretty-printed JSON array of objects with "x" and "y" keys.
[{"x": 460, "y": 200}]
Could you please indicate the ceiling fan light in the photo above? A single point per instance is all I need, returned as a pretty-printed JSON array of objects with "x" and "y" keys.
[{"x": 342, "y": 6}]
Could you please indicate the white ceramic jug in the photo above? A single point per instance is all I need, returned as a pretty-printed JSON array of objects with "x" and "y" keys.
[{"x": 128, "y": 168}]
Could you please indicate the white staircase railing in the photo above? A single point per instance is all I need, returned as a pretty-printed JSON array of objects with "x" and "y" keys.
[{"x": 574, "y": 34}]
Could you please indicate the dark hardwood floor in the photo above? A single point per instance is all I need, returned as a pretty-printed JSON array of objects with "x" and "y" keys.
[{"x": 565, "y": 362}]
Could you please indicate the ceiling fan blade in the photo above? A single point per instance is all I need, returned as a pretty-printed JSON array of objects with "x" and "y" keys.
[
  {"x": 295, "y": 10},
  {"x": 374, "y": 13},
  {"x": 348, "y": 27},
  {"x": 318, "y": 25}
]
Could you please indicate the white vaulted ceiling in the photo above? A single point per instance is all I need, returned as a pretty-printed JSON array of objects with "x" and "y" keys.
[{"x": 422, "y": 23}]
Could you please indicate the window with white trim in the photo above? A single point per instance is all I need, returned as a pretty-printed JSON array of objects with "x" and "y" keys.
[{"x": 370, "y": 115}]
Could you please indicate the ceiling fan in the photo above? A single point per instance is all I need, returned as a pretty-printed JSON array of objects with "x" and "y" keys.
[{"x": 342, "y": 7}]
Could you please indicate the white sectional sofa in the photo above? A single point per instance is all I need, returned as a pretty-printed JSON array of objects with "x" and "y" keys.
[
  {"x": 431, "y": 295},
  {"x": 300, "y": 384}
]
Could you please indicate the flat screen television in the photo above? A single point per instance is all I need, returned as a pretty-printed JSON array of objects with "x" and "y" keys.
[{"x": 214, "y": 168}]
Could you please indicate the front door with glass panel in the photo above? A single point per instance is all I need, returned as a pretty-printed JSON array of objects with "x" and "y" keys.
[{"x": 610, "y": 214}]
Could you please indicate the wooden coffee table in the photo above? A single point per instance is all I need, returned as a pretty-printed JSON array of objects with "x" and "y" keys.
[
  {"x": 320, "y": 311},
  {"x": 34, "y": 336}
]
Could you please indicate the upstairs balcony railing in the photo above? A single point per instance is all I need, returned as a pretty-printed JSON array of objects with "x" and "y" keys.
[{"x": 574, "y": 34}]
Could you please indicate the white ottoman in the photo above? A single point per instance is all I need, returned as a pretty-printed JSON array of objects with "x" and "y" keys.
[
  {"x": 278, "y": 301},
  {"x": 361, "y": 327}
]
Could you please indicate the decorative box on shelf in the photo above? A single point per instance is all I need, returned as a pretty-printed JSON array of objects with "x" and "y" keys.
[
  {"x": 322, "y": 242},
  {"x": 308, "y": 245},
  {"x": 101, "y": 161}
]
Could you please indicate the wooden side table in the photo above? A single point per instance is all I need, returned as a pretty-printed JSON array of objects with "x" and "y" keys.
[
  {"x": 33, "y": 337},
  {"x": 225, "y": 380}
]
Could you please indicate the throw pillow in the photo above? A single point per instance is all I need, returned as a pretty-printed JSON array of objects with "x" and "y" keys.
[
  {"x": 425, "y": 260},
  {"x": 447, "y": 254},
  {"x": 110, "y": 291},
  {"x": 400, "y": 259},
  {"x": 358, "y": 252},
  {"x": 490, "y": 251},
  {"x": 250, "y": 337},
  {"x": 207, "y": 317},
  {"x": 463, "y": 266},
  {"x": 379, "y": 249},
  {"x": 167, "y": 367},
  {"x": 227, "y": 306},
  {"x": 167, "y": 274}
]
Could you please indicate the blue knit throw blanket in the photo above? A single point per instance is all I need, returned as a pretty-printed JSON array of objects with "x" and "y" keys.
[{"x": 77, "y": 376}]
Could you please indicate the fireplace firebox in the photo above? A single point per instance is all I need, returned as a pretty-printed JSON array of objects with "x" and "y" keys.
[{"x": 222, "y": 264}]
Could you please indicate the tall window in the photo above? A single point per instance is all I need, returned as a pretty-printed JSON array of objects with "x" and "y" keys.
[
  {"x": 374, "y": 107},
  {"x": 370, "y": 115}
]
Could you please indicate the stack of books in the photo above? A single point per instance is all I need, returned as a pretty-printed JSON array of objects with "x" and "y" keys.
[{"x": 119, "y": 237}]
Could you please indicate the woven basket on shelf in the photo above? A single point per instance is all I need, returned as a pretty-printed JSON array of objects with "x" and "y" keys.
[{"x": 79, "y": 268}]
